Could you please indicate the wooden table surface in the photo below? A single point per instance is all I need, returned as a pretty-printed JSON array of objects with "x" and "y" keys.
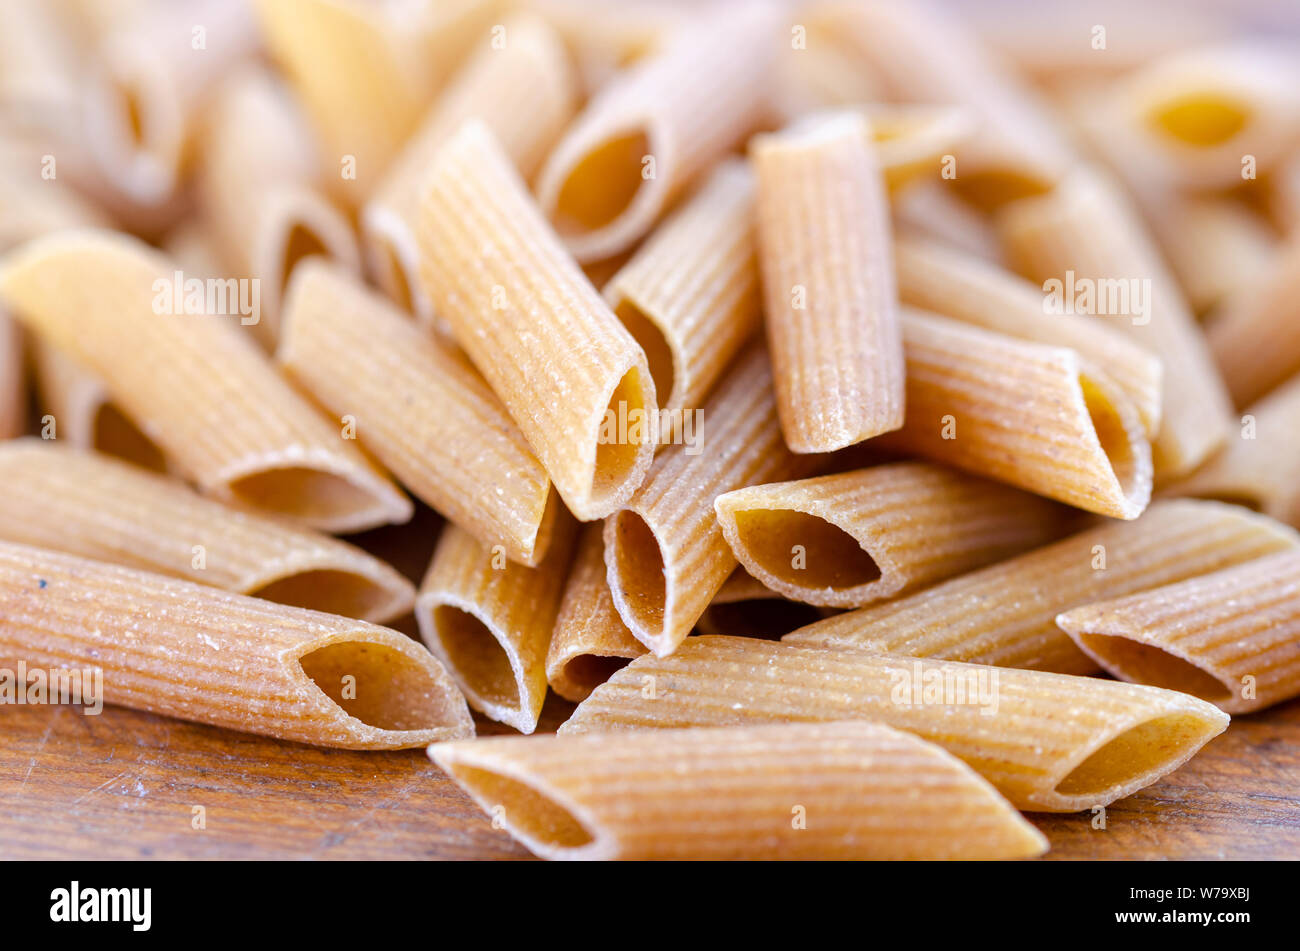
[{"x": 123, "y": 785}]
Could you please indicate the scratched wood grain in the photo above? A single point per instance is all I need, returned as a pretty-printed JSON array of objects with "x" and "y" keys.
[{"x": 123, "y": 785}]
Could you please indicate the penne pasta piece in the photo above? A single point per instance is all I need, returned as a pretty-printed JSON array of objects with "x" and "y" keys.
[
  {"x": 1035, "y": 416},
  {"x": 1005, "y": 724},
  {"x": 1085, "y": 243},
  {"x": 190, "y": 245},
  {"x": 362, "y": 360},
  {"x": 83, "y": 413},
  {"x": 953, "y": 284},
  {"x": 490, "y": 621},
  {"x": 1215, "y": 247},
  {"x": 920, "y": 55},
  {"x": 86, "y": 504},
  {"x": 1255, "y": 337},
  {"x": 930, "y": 210},
  {"x": 1005, "y": 614},
  {"x": 651, "y": 130},
  {"x": 366, "y": 71},
  {"x": 258, "y": 187},
  {"x": 606, "y": 37},
  {"x": 525, "y": 313},
  {"x": 738, "y": 793},
  {"x": 193, "y": 382},
  {"x": 745, "y": 607},
  {"x": 194, "y": 652},
  {"x": 665, "y": 552},
  {"x": 1260, "y": 466},
  {"x": 828, "y": 284},
  {"x": 13, "y": 379},
  {"x": 1231, "y": 637},
  {"x": 689, "y": 295},
  {"x": 523, "y": 90},
  {"x": 848, "y": 539},
  {"x": 157, "y": 69},
  {"x": 1282, "y": 202},
  {"x": 590, "y": 640},
  {"x": 913, "y": 139}
]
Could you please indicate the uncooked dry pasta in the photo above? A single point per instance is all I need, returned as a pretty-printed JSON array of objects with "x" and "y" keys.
[
  {"x": 523, "y": 89},
  {"x": 193, "y": 382},
  {"x": 1048, "y": 742},
  {"x": 1033, "y": 415},
  {"x": 524, "y": 312},
  {"x": 1231, "y": 637},
  {"x": 195, "y": 652},
  {"x": 13, "y": 379},
  {"x": 490, "y": 620},
  {"x": 740, "y": 792},
  {"x": 87, "y": 504},
  {"x": 828, "y": 283},
  {"x": 1216, "y": 247},
  {"x": 590, "y": 640},
  {"x": 1005, "y": 614},
  {"x": 359, "y": 357},
  {"x": 852, "y": 538}
]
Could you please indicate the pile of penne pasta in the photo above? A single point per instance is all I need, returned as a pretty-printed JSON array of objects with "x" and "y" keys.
[{"x": 821, "y": 395}]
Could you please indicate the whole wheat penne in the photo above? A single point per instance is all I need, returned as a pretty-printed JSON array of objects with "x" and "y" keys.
[
  {"x": 848, "y": 539},
  {"x": 605, "y": 37},
  {"x": 490, "y": 621},
  {"x": 258, "y": 187},
  {"x": 1048, "y": 742},
  {"x": 1231, "y": 637},
  {"x": 864, "y": 791},
  {"x": 1005, "y": 614},
  {"x": 1260, "y": 466},
  {"x": 1087, "y": 246},
  {"x": 652, "y": 129},
  {"x": 38, "y": 77},
  {"x": 190, "y": 244},
  {"x": 198, "y": 653},
  {"x": 828, "y": 283},
  {"x": 523, "y": 89},
  {"x": 664, "y": 549},
  {"x": 365, "y": 73},
  {"x": 1282, "y": 203},
  {"x": 1256, "y": 335},
  {"x": 746, "y": 607},
  {"x": 13, "y": 379},
  {"x": 953, "y": 284},
  {"x": 1035, "y": 416},
  {"x": 87, "y": 504},
  {"x": 689, "y": 294},
  {"x": 1215, "y": 247},
  {"x": 1205, "y": 113},
  {"x": 911, "y": 140},
  {"x": 361, "y": 359},
  {"x": 525, "y": 313},
  {"x": 193, "y": 382},
  {"x": 157, "y": 69},
  {"x": 590, "y": 640},
  {"x": 80, "y": 410},
  {"x": 921, "y": 55},
  {"x": 932, "y": 211},
  {"x": 816, "y": 71}
]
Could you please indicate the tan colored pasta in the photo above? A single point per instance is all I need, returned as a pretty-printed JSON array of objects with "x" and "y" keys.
[
  {"x": 590, "y": 640},
  {"x": 490, "y": 621},
  {"x": 930, "y": 210},
  {"x": 1260, "y": 466},
  {"x": 1005, "y": 614},
  {"x": 366, "y": 363},
  {"x": 1087, "y": 230},
  {"x": 524, "y": 313},
  {"x": 1256, "y": 336},
  {"x": 665, "y": 551},
  {"x": 919, "y": 55},
  {"x": 745, "y": 607},
  {"x": 848, "y": 539},
  {"x": 190, "y": 245},
  {"x": 523, "y": 90},
  {"x": 1215, "y": 246},
  {"x": 194, "y": 383},
  {"x": 82, "y": 412},
  {"x": 957, "y": 285},
  {"x": 157, "y": 69},
  {"x": 740, "y": 793},
  {"x": 198, "y": 653},
  {"x": 259, "y": 188},
  {"x": 13, "y": 379},
  {"x": 652, "y": 129},
  {"x": 90, "y": 505},
  {"x": 1231, "y": 637},
  {"x": 911, "y": 140},
  {"x": 828, "y": 284},
  {"x": 689, "y": 295},
  {"x": 1035, "y": 416},
  {"x": 605, "y": 37},
  {"x": 365, "y": 72},
  {"x": 1048, "y": 742}
]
